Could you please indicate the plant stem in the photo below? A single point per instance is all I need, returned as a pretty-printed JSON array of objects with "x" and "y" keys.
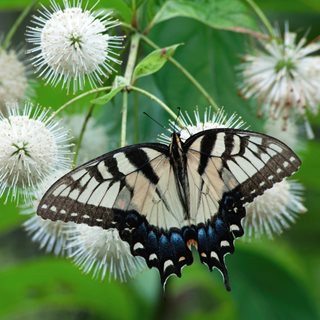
[
  {"x": 124, "y": 118},
  {"x": 16, "y": 24},
  {"x": 201, "y": 89},
  {"x": 157, "y": 100},
  {"x": 135, "y": 39},
  {"x": 133, "y": 5},
  {"x": 80, "y": 96},
  {"x": 134, "y": 46},
  {"x": 262, "y": 17},
  {"x": 151, "y": 23},
  {"x": 83, "y": 128},
  {"x": 186, "y": 73},
  {"x": 136, "y": 118}
]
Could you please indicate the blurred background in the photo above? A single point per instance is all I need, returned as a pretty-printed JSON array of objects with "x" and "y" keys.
[{"x": 270, "y": 279}]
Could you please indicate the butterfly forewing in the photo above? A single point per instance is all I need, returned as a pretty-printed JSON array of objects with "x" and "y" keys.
[
  {"x": 113, "y": 181},
  {"x": 160, "y": 212},
  {"x": 246, "y": 162}
]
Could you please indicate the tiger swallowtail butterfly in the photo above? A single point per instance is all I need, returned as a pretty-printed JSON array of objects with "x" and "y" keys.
[{"x": 165, "y": 199}]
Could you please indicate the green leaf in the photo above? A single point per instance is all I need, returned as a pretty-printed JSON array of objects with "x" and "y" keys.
[
  {"x": 290, "y": 6},
  {"x": 137, "y": 3},
  {"x": 265, "y": 287},
  {"x": 56, "y": 283},
  {"x": 154, "y": 61},
  {"x": 107, "y": 97},
  {"x": 304, "y": 233},
  {"x": 118, "y": 6},
  {"x": 220, "y": 14},
  {"x": 10, "y": 217},
  {"x": 211, "y": 56}
]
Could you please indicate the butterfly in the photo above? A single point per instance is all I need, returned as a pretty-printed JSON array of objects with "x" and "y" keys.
[{"x": 166, "y": 199}]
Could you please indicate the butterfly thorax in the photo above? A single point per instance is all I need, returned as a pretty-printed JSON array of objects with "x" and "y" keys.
[{"x": 178, "y": 161}]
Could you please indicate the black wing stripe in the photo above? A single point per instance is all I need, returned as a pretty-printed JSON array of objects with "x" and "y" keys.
[
  {"x": 111, "y": 167},
  {"x": 229, "y": 145},
  {"x": 206, "y": 146},
  {"x": 155, "y": 198},
  {"x": 96, "y": 173},
  {"x": 141, "y": 161}
]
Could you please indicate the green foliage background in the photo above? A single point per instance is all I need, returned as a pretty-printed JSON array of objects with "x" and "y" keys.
[{"x": 278, "y": 279}]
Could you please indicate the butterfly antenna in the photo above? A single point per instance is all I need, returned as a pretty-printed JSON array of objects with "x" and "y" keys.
[
  {"x": 157, "y": 122},
  {"x": 178, "y": 116}
]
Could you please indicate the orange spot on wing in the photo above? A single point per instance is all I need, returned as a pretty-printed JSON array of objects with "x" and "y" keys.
[{"x": 191, "y": 243}]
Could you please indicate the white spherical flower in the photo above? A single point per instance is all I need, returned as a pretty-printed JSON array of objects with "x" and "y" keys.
[
  {"x": 32, "y": 145},
  {"x": 72, "y": 44},
  {"x": 52, "y": 236},
  {"x": 13, "y": 77},
  {"x": 279, "y": 76},
  {"x": 210, "y": 120},
  {"x": 94, "y": 142},
  {"x": 102, "y": 251},
  {"x": 274, "y": 210},
  {"x": 288, "y": 135}
]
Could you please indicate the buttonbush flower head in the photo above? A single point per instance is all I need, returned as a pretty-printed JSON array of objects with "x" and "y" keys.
[
  {"x": 288, "y": 135},
  {"x": 281, "y": 76},
  {"x": 274, "y": 210},
  {"x": 32, "y": 145},
  {"x": 94, "y": 132},
  {"x": 71, "y": 44},
  {"x": 13, "y": 77},
  {"x": 101, "y": 251},
  {"x": 209, "y": 120},
  {"x": 51, "y": 235}
]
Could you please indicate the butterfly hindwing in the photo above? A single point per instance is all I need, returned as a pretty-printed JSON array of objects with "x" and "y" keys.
[{"x": 163, "y": 203}]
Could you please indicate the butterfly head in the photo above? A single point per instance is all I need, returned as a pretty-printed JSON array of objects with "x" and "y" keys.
[{"x": 176, "y": 144}]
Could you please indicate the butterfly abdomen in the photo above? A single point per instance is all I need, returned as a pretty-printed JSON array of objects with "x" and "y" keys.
[{"x": 178, "y": 161}]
